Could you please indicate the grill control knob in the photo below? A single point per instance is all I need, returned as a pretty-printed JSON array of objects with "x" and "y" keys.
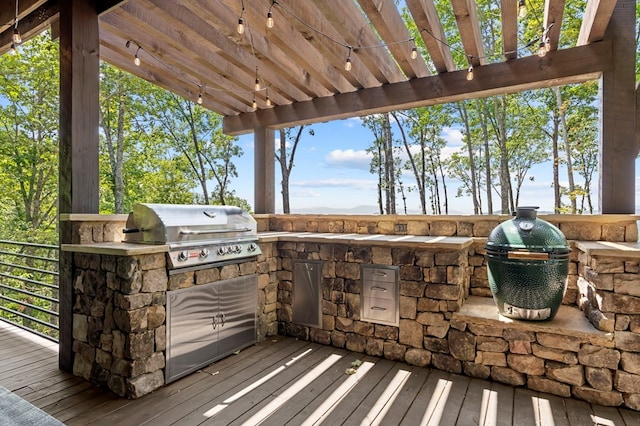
[
  {"x": 221, "y": 251},
  {"x": 252, "y": 247},
  {"x": 183, "y": 255},
  {"x": 238, "y": 249},
  {"x": 204, "y": 253}
]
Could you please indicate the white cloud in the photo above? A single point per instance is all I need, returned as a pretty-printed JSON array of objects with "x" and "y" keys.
[
  {"x": 360, "y": 184},
  {"x": 452, "y": 136},
  {"x": 349, "y": 158},
  {"x": 353, "y": 122},
  {"x": 305, "y": 193}
]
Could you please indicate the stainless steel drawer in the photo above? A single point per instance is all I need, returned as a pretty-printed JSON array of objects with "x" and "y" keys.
[
  {"x": 379, "y": 274},
  {"x": 379, "y": 289},
  {"x": 383, "y": 310}
]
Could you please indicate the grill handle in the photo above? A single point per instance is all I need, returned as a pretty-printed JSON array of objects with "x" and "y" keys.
[{"x": 215, "y": 231}]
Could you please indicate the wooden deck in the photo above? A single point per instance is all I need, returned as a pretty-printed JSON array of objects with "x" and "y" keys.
[{"x": 284, "y": 381}]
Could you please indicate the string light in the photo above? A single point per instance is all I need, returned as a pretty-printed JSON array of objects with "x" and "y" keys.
[
  {"x": 414, "y": 51},
  {"x": 347, "y": 64},
  {"x": 12, "y": 49},
  {"x": 257, "y": 85},
  {"x": 17, "y": 38},
  {"x": 254, "y": 104},
  {"x": 270, "y": 22},
  {"x": 240, "y": 27},
  {"x": 522, "y": 9},
  {"x": 268, "y": 100},
  {"x": 136, "y": 59},
  {"x": 470, "y": 73},
  {"x": 199, "y": 100},
  {"x": 542, "y": 49}
]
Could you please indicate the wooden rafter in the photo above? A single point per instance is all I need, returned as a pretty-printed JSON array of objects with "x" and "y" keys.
[
  {"x": 32, "y": 24},
  {"x": 595, "y": 21},
  {"x": 553, "y": 13},
  {"x": 385, "y": 17},
  {"x": 428, "y": 22},
  {"x": 467, "y": 18},
  {"x": 509, "y": 13}
]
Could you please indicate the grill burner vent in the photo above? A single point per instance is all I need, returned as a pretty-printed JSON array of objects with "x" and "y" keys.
[{"x": 195, "y": 234}]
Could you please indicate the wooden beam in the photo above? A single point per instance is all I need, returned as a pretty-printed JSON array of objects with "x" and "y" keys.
[
  {"x": 428, "y": 22},
  {"x": 568, "y": 66},
  {"x": 264, "y": 171},
  {"x": 105, "y": 6},
  {"x": 78, "y": 186},
  {"x": 385, "y": 17},
  {"x": 618, "y": 152},
  {"x": 8, "y": 12},
  {"x": 595, "y": 21}
]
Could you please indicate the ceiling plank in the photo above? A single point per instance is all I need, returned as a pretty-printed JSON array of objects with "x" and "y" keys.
[
  {"x": 294, "y": 47},
  {"x": 166, "y": 49},
  {"x": 386, "y": 18},
  {"x": 553, "y": 13},
  {"x": 349, "y": 21},
  {"x": 32, "y": 25},
  {"x": 467, "y": 18},
  {"x": 318, "y": 31},
  {"x": 214, "y": 40},
  {"x": 596, "y": 19},
  {"x": 8, "y": 11},
  {"x": 104, "y": 6},
  {"x": 568, "y": 66},
  {"x": 428, "y": 22},
  {"x": 509, "y": 13}
]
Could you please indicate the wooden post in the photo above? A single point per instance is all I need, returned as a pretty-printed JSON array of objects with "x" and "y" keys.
[
  {"x": 618, "y": 149},
  {"x": 264, "y": 168},
  {"x": 78, "y": 157}
]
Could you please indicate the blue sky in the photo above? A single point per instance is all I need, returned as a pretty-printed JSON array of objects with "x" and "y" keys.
[{"x": 332, "y": 171}]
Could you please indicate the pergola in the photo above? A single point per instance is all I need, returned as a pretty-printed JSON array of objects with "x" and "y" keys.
[{"x": 295, "y": 73}]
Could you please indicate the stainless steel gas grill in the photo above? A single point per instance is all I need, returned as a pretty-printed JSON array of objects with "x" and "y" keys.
[{"x": 196, "y": 235}]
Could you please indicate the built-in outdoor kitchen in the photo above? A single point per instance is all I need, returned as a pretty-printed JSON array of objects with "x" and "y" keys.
[{"x": 407, "y": 288}]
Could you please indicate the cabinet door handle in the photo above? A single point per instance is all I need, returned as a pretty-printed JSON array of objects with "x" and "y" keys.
[
  {"x": 222, "y": 318},
  {"x": 378, "y": 288},
  {"x": 379, "y": 273},
  {"x": 378, "y": 308},
  {"x": 214, "y": 322}
]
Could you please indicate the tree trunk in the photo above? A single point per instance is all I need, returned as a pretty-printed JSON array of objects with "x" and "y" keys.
[
  {"x": 390, "y": 174},
  {"x": 482, "y": 113},
  {"x": 557, "y": 203},
  {"x": 505, "y": 180},
  {"x": 464, "y": 113},
  {"x": 567, "y": 148}
]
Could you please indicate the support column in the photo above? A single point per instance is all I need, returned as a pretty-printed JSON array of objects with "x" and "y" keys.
[
  {"x": 618, "y": 147},
  {"x": 264, "y": 167},
  {"x": 78, "y": 183}
]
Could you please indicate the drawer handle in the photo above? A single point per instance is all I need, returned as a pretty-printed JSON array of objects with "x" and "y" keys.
[
  {"x": 379, "y": 273},
  {"x": 378, "y": 308},
  {"x": 378, "y": 288}
]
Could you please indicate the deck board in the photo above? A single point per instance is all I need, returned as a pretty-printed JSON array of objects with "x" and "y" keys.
[{"x": 422, "y": 395}]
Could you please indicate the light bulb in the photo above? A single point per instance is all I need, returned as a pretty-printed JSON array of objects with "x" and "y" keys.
[
  {"x": 240, "y": 27},
  {"x": 269, "y": 20},
  {"x": 547, "y": 44},
  {"x": 136, "y": 60},
  {"x": 12, "y": 49},
  {"x": 199, "y": 101},
  {"x": 414, "y": 53},
  {"x": 522, "y": 9},
  {"x": 542, "y": 50},
  {"x": 17, "y": 39},
  {"x": 257, "y": 85},
  {"x": 347, "y": 65},
  {"x": 268, "y": 101},
  {"x": 254, "y": 104},
  {"x": 470, "y": 73}
]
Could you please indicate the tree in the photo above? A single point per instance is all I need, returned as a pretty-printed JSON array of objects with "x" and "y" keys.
[
  {"x": 384, "y": 162},
  {"x": 196, "y": 133},
  {"x": 285, "y": 157},
  {"x": 28, "y": 140}
]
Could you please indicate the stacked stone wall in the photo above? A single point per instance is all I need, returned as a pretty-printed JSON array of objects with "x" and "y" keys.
[
  {"x": 434, "y": 284},
  {"x": 614, "y": 228},
  {"x": 119, "y": 314}
]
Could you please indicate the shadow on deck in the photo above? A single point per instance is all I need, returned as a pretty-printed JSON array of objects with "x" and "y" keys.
[{"x": 286, "y": 381}]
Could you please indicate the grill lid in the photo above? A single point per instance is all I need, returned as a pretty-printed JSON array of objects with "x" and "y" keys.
[{"x": 179, "y": 224}]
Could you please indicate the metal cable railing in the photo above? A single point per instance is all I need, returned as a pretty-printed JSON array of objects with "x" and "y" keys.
[{"x": 29, "y": 296}]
